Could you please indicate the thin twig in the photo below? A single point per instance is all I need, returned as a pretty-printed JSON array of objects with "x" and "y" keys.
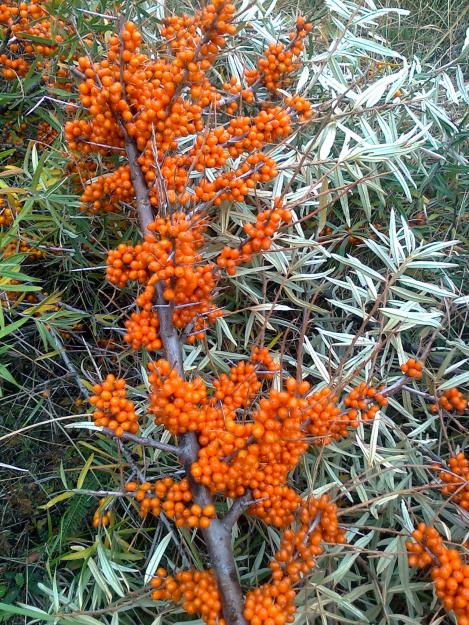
[{"x": 144, "y": 442}]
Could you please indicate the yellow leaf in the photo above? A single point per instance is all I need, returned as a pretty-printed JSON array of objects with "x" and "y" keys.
[
  {"x": 81, "y": 553},
  {"x": 10, "y": 170},
  {"x": 84, "y": 471},
  {"x": 57, "y": 499}
]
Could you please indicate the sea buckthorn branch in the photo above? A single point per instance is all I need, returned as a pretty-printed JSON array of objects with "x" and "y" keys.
[
  {"x": 218, "y": 539},
  {"x": 99, "y": 493},
  {"x": 217, "y": 536}
]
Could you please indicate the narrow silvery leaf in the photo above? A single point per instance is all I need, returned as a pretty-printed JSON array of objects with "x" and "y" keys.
[
  {"x": 359, "y": 266},
  {"x": 459, "y": 380},
  {"x": 317, "y": 360},
  {"x": 425, "y": 286},
  {"x": 396, "y": 248},
  {"x": 156, "y": 558},
  {"x": 327, "y": 141},
  {"x": 413, "y": 318},
  {"x": 380, "y": 252}
]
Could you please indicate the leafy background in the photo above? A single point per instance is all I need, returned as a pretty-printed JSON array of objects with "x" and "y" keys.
[{"x": 395, "y": 215}]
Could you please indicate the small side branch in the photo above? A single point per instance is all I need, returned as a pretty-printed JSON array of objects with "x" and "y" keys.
[
  {"x": 239, "y": 506},
  {"x": 145, "y": 442}
]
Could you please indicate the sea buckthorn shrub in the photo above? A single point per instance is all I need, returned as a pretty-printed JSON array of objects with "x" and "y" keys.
[
  {"x": 244, "y": 438},
  {"x": 259, "y": 365}
]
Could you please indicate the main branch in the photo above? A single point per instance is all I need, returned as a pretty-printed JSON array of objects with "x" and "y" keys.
[{"x": 217, "y": 536}]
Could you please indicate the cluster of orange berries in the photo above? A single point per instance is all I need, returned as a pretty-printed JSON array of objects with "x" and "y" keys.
[
  {"x": 238, "y": 388},
  {"x": 456, "y": 480},
  {"x": 280, "y": 61},
  {"x": 175, "y": 402},
  {"x": 260, "y": 238},
  {"x": 6, "y": 214},
  {"x": 26, "y": 21},
  {"x": 247, "y": 134},
  {"x": 451, "y": 400},
  {"x": 23, "y": 247},
  {"x": 112, "y": 408},
  {"x": 168, "y": 255},
  {"x": 133, "y": 92},
  {"x": 143, "y": 330},
  {"x": 196, "y": 41},
  {"x": 301, "y": 105},
  {"x": 125, "y": 263},
  {"x": 234, "y": 186},
  {"x": 158, "y": 101},
  {"x": 449, "y": 572},
  {"x": 8, "y": 11},
  {"x": 235, "y": 88},
  {"x": 413, "y": 369},
  {"x": 101, "y": 518},
  {"x": 236, "y": 454},
  {"x": 196, "y": 590},
  {"x": 209, "y": 149},
  {"x": 184, "y": 406},
  {"x": 46, "y": 133},
  {"x": 326, "y": 421},
  {"x": 102, "y": 194},
  {"x": 174, "y": 499},
  {"x": 273, "y": 602},
  {"x": 366, "y": 399},
  {"x": 13, "y": 68}
]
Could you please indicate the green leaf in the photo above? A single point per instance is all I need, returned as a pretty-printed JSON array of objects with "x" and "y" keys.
[
  {"x": 10, "y": 328},
  {"x": 24, "y": 610}
]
